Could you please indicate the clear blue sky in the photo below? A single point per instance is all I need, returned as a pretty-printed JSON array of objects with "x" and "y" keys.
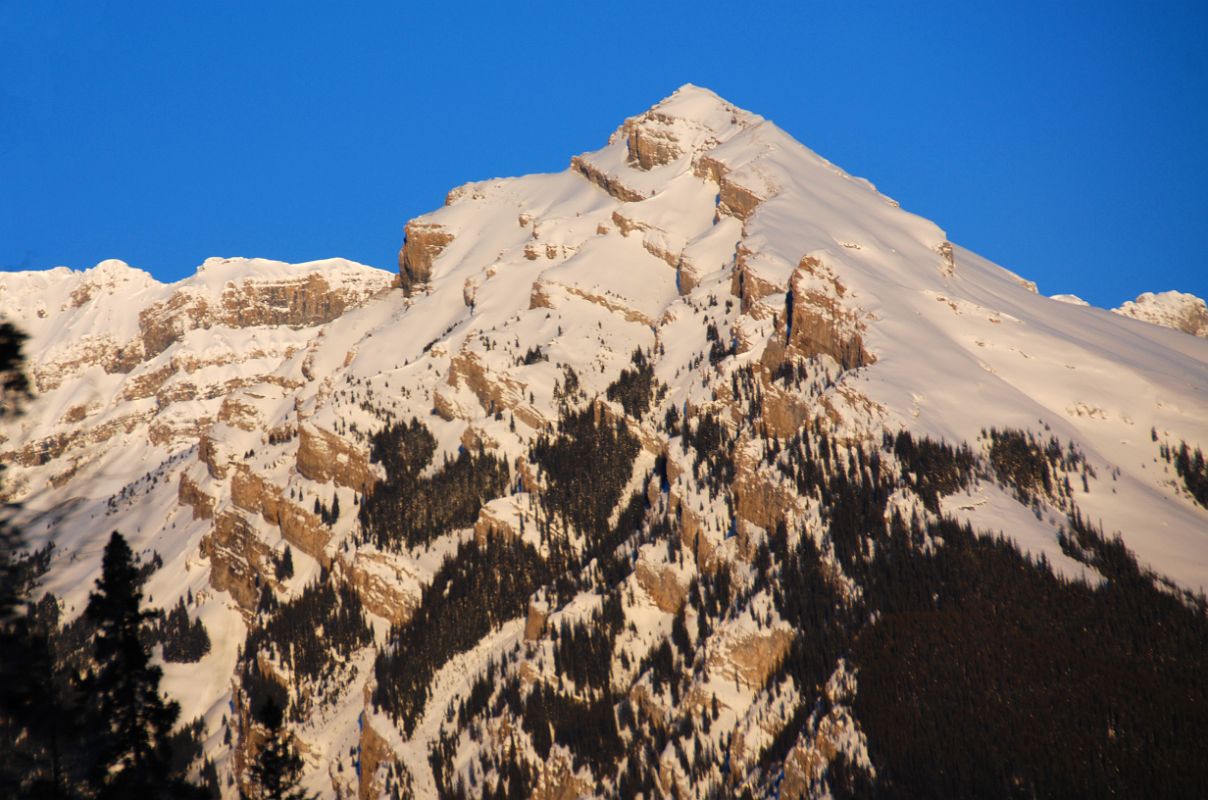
[{"x": 1067, "y": 141}]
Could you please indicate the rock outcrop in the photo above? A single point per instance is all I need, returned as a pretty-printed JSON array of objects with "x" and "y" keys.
[
  {"x": 422, "y": 243},
  {"x": 323, "y": 456},
  {"x": 1178, "y": 310}
]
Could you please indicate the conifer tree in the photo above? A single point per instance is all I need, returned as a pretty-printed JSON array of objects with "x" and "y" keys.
[
  {"x": 37, "y": 713},
  {"x": 285, "y": 567},
  {"x": 277, "y": 768},
  {"x": 129, "y": 717}
]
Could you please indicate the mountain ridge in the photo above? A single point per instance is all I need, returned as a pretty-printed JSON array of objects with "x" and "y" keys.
[{"x": 703, "y": 299}]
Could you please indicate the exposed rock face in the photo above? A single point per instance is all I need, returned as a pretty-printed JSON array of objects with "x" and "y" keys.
[
  {"x": 323, "y": 456},
  {"x": 652, "y": 140},
  {"x": 296, "y": 302},
  {"x": 239, "y": 559},
  {"x": 534, "y": 624},
  {"x": 299, "y": 527},
  {"x": 606, "y": 182},
  {"x": 374, "y": 753},
  {"x": 111, "y": 354},
  {"x": 752, "y": 288},
  {"x": 422, "y": 243},
  {"x": 734, "y": 199},
  {"x": 755, "y": 657},
  {"x": 819, "y": 323},
  {"x": 663, "y": 586},
  {"x": 211, "y": 453},
  {"x": 202, "y": 419},
  {"x": 62, "y": 444},
  {"x": 1178, "y": 310},
  {"x": 118, "y": 352},
  {"x": 495, "y": 392},
  {"x": 191, "y": 495},
  {"x": 558, "y": 781},
  {"x": 381, "y": 581}
]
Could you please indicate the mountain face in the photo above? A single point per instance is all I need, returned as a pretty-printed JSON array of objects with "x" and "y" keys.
[{"x": 698, "y": 469}]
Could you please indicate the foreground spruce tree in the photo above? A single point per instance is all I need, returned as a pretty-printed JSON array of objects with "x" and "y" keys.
[
  {"x": 130, "y": 718},
  {"x": 278, "y": 767}
]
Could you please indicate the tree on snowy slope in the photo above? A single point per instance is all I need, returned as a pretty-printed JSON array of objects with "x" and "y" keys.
[
  {"x": 278, "y": 767},
  {"x": 131, "y": 719}
]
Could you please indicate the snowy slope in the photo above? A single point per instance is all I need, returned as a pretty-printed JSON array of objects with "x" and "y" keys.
[{"x": 694, "y": 214}]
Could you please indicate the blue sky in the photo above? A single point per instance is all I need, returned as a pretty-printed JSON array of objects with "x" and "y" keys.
[{"x": 1066, "y": 141}]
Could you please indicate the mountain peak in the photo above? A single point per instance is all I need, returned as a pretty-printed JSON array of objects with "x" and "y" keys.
[{"x": 704, "y": 107}]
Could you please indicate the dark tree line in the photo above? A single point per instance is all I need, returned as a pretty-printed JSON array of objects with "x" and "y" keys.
[
  {"x": 634, "y": 388},
  {"x": 479, "y": 588},
  {"x": 310, "y": 636},
  {"x": 585, "y": 467},
  {"x": 981, "y": 672},
  {"x": 184, "y": 641},
  {"x": 1191, "y": 467},
  {"x": 408, "y": 509}
]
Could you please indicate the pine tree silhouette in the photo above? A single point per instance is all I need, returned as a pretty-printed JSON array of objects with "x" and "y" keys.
[
  {"x": 130, "y": 718},
  {"x": 38, "y": 716},
  {"x": 278, "y": 767}
]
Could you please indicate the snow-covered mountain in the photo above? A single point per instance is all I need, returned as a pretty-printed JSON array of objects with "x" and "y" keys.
[{"x": 744, "y": 310}]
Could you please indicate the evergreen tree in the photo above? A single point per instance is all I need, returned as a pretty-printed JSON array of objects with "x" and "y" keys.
[
  {"x": 184, "y": 641},
  {"x": 285, "y": 567},
  {"x": 130, "y": 718},
  {"x": 37, "y": 713},
  {"x": 277, "y": 768}
]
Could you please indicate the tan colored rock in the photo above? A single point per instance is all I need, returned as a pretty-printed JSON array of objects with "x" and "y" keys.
[
  {"x": 422, "y": 243},
  {"x": 210, "y": 453},
  {"x": 534, "y": 623},
  {"x": 650, "y": 145},
  {"x": 239, "y": 560},
  {"x": 559, "y": 782},
  {"x": 380, "y": 580},
  {"x": 90, "y": 350},
  {"x": 820, "y": 324},
  {"x": 191, "y": 495},
  {"x": 608, "y": 183},
  {"x": 753, "y": 658},
  {"x": 759, "y": 498},
  {"x": 808, "y": 760},
  {"x": 323, "y": 456},
  {"x": 48, "y": 448},
  {"x": 175, "y": 430},
  {"x": 299, "y": 527},
  {"x": 494, "y": 390},
  {"x": 238, "y": 413},
  {"x": 297, "y": 302},
  {"x": 375, "y": 752},
  {"x": 948, "y": 267},
  {"x": 687, "y": 275},
  {"x": 751, "y": 288},
  {"x": 147, "y": 384},
  {"x": 734, "y": 199},
  {"x": 74, "y": 414},
  {"x": 164, "y": 323},
  {"x": 663, "y": 586}
]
